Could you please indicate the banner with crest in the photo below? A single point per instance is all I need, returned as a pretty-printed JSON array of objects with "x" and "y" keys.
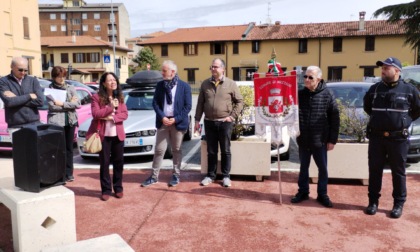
[{"x": 276, "y": 105}]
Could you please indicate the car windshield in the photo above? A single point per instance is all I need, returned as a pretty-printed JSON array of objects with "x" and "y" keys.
[
  {"x": 412, "y": 75},
  {"x": 351, "y": 96},
  {"x": 136, "y": 100}
]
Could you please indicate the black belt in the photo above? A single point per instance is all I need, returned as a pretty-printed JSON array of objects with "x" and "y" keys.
[{"x": 403, "y": 133}]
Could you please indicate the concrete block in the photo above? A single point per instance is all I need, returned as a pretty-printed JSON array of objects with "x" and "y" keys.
[
  {"x": 346, "y": 161},
  {"x": 112, "y": 242},
  {"x": 40, "y": 219},
  {"x": 249, "y": 157}
]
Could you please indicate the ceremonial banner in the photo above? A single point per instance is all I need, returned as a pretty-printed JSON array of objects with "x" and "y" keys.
[{"x": 276, "y": 105}]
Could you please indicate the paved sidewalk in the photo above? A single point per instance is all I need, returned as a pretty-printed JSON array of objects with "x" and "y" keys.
[{"x": 245, "y": 217}]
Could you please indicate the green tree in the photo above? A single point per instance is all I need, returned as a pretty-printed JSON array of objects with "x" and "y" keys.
[
  {"x": 409, "y": 13},
  {"x": 145, "y": 56}
]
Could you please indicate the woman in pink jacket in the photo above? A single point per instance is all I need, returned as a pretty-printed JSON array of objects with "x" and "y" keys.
[{"x": 109, "y": 112}]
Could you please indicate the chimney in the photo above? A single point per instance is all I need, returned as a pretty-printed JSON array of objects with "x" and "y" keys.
[
  {"x": 73, "y": 38},
  {"x": 277, "y": 23},
  {"x": 362, "y": 20}
]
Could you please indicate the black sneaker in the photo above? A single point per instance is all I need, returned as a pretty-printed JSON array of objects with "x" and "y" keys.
[
  {"x": 299, "y": 197},
  {"x": 69, "y": 178},
  {"x": 149, "y": 181},
  {"x": 396, "y": 211},
  {"x": 174, "y": 180},
  {"x": 324, "y": 200}
]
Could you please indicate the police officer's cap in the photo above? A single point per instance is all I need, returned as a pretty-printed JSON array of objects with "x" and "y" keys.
[{"x": 391, "y": 61}]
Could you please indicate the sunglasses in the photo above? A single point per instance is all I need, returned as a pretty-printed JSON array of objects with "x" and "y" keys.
[
  {"x": 22, "y": 70},
  {"x": 308, "y": 77}
]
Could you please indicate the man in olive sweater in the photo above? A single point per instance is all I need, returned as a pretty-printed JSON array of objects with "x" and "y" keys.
[{"x": 221, "y": 102}]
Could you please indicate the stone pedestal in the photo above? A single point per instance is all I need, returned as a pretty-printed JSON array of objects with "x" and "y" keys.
[
  {"x": 250, "y": 156},
  {"x": 39, "y": 219}
]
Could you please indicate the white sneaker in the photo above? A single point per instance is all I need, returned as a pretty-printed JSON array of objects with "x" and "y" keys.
[
  {"x": 206, "y": 181},
  {"x": 226, "y": 182}
]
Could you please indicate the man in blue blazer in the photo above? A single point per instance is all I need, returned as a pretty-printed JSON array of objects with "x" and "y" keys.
[{"x": 172, "y": 103}]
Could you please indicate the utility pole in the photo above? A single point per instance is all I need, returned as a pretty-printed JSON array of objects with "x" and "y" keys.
[{"x": 113, "y": 39}]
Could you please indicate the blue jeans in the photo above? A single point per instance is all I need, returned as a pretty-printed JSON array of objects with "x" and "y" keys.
[
  {"x": 218, "y": 132},
  {"x": 320, "y": 158}
]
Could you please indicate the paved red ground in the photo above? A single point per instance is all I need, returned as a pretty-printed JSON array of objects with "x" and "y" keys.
[{"x": 245, "y": 217}]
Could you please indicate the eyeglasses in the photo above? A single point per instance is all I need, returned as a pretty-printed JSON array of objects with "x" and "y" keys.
[
  {"x": 308, "y": 77},
  {"x": 214, "y": 67},
  {"x": 22, "y": 70}
]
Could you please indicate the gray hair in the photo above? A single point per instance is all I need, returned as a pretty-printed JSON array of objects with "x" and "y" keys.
[
  {"x": 171, "y": 65},
  {"x": 222, "y": 62},
  {"x": 315, "y": 69},
  {"x": 17, "y": 60}
]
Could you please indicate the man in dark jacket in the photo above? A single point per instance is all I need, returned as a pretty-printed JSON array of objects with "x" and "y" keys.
[
  {"x": 172, "y": 103},
  {"x": 22, "y": 95},
  {"x": 319, "y": 123},
  {"x": 392, "y": 105}
]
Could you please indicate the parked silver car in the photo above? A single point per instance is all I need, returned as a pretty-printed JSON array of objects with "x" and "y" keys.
[
  {"x": 139, "y": 127},
  {"x": 352, "y": 93}
]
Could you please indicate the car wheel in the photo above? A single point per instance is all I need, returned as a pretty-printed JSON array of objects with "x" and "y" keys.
[
  {"x": 168, "y": 153},
  {"x": 188, "y": 134},
  {"x": 285, "y": 156}
]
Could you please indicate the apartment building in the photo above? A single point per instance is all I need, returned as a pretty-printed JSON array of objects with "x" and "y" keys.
[
  {"x": 77, "y": 17},
  {"x": 132, "y": 44},
  {"x": 343, "y": 50},
  {"x": 85, "y": 57},
  {"x": 19, "y": 35}
]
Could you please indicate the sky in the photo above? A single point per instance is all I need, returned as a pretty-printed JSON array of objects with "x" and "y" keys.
[{"x": 168, "y": 15}]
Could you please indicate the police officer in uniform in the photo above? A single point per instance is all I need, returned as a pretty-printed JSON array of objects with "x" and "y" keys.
[{"x": 392, "y": 105}]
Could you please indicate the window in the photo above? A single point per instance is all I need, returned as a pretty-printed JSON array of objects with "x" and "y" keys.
[
  {"x": 77, "y": 32},
  {"x": 235, "y": 47},
  {"x": 335, "y": 73},
  {"x": 255, "y": 46},
  {"x": 217, "y": 48},
  {"x": 370, "y": 43},
  {"x": 303, "y": 45},
  {"x": 191, "y": 49},
  {"x": 53, "y": 28},
  {"x": 76, "y": 3},
  {"x": 76, "y": 21},
  {"x": 53, "y": 16},
  {"x": 368, "y": 71},
  {"x": 97, "y": 27},
  {"x": 85, "y": 27},
  {"x": 92, "y": 57},
  {"x": 338, "y": 45},
  {"x": 191, "y": 75},
  {"x": 84, "y": 15},
  {"x": 64, "y": 58},
  {"x": 96, "y": 15},
  {"x": 25, "y": 27},
  {"x": 164, "y": 50},
  {"x": 63, "y": 16},
  {"x": 236, "y": 73},
  {"x": 98, "y": 38},
  {"x": 78, "y": 58},
  {"x": 63, "y": 28}
]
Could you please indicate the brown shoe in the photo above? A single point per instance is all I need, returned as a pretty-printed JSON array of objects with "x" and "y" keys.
[
  {"x": 105, "y": 197},
  {"x": 119, "y": 195}
]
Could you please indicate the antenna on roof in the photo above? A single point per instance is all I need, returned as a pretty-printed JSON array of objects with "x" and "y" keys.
[{"x": 268, "y": 13}]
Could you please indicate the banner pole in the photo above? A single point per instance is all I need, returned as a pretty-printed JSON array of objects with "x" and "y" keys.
[{"x": 278, "y": 167}]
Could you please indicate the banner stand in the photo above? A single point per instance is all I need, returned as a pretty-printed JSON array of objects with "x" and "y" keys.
[{"x": 278, "y": 167}]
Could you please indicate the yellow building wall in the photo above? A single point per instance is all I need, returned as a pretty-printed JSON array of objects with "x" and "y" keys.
[
  {"x": 319, "y": 53},
  {"x": 86, "y": 78},
  {"x": 12, "y": 41}
]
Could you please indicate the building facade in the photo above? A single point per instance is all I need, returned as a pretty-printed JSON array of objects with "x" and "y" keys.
[
  {"x": 85, "y": 57},
  {"x": 344, "y": 50},
  {"x": 20, "y": 35},
  {"x": 76, "y": 17}
]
